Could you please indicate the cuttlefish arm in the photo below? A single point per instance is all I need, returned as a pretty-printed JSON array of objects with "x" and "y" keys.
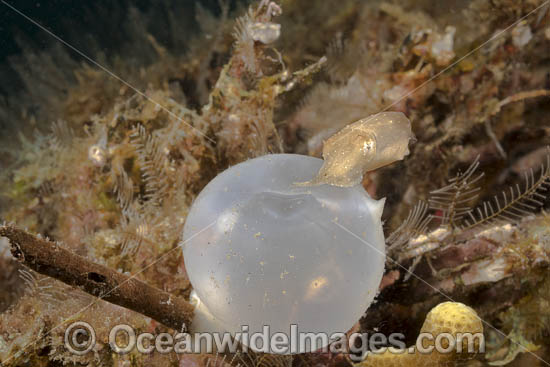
[{"x": 363, "y": 146}]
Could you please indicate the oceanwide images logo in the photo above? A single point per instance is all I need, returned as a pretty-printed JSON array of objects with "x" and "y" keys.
[{"x": 80, "y": 338}]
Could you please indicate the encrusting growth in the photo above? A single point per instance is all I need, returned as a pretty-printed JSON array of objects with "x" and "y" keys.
[{"x": 452, "y": 318}]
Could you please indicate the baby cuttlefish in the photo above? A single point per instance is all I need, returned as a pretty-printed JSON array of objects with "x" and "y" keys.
[{"x": 362, "y": 146}]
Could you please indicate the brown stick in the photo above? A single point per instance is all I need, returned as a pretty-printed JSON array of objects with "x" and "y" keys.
[{"x": 48, "y": 258}]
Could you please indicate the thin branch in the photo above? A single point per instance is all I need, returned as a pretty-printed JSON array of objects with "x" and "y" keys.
[
  {"x": 49, "y": 258},
  {"x": 520, "y": 97}
]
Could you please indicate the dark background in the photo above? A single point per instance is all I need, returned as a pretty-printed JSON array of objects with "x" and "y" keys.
[
  {"x": 90, "y": 26},
  {"x": 72, "y": 19}
]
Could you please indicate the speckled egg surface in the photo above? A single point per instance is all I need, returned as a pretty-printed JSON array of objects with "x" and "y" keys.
[{"x": 260, "y": 250}]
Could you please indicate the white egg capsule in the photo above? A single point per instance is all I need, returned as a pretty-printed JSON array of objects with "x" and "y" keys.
[{"x": 260, "y": 250}]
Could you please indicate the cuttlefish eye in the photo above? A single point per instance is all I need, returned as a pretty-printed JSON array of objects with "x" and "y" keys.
[{"x": 261, "y": 250}]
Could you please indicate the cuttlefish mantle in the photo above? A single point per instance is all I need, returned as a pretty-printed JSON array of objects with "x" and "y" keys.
[{"x": 362, "y": 146}]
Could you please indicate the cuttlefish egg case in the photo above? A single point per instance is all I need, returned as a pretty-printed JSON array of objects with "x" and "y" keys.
[{"x": 261, "y": 250}]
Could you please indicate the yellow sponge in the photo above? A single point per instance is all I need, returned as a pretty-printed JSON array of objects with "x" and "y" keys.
[{"x": 449, "y": 317}]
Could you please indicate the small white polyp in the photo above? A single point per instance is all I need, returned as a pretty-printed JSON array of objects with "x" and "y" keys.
[{"x": 274, "y": 255}]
